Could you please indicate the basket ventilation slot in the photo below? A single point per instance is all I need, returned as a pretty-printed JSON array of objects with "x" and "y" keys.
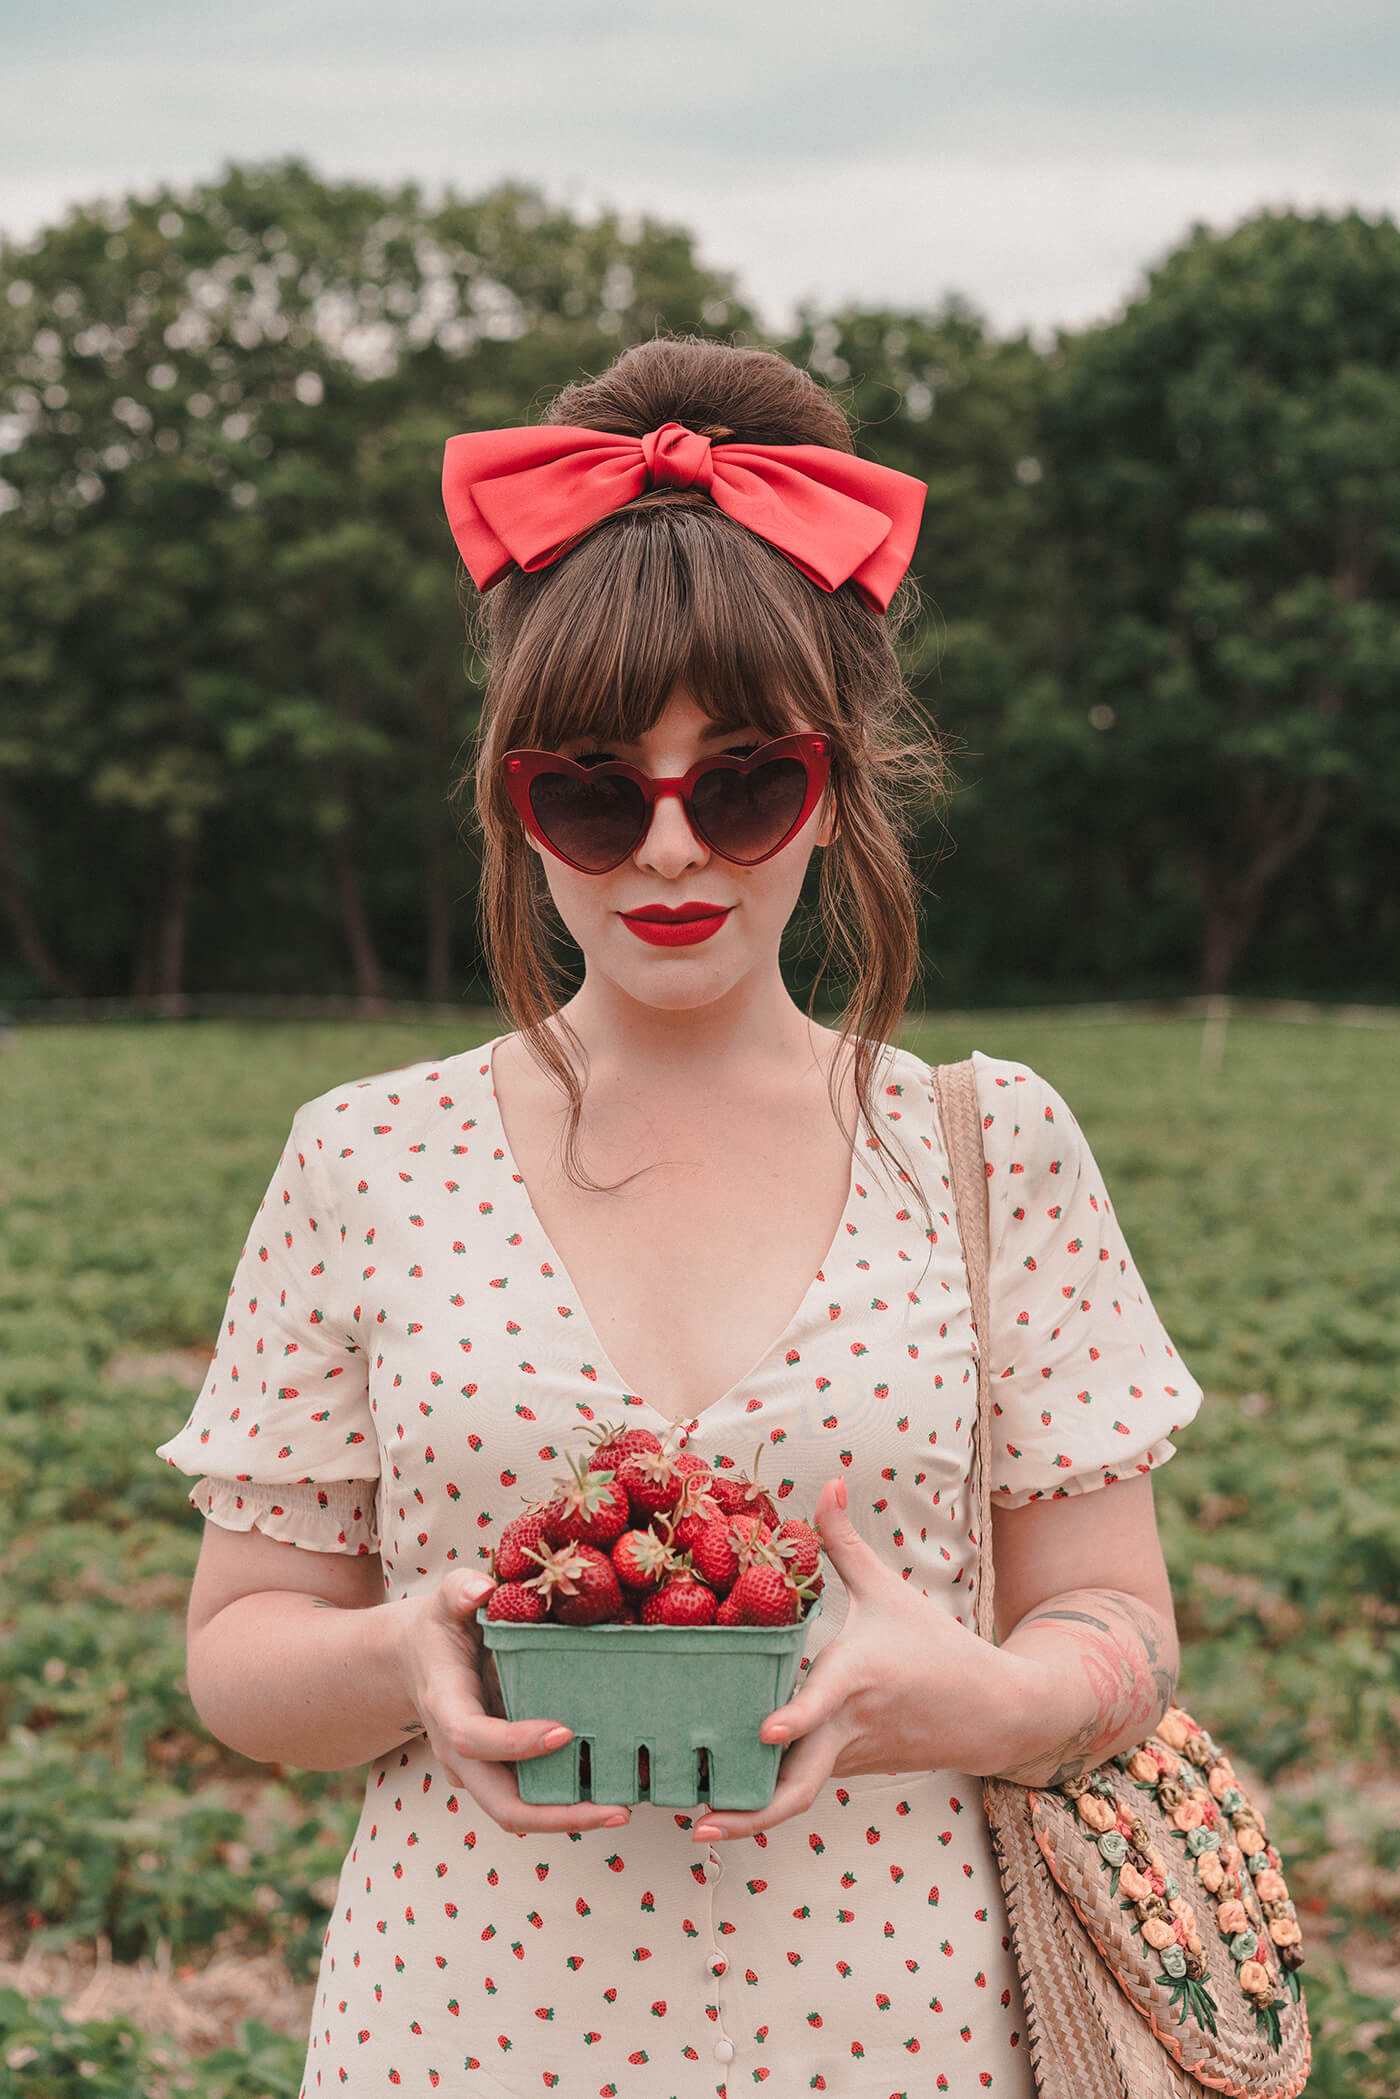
[{"x": 585, "y": 1771}]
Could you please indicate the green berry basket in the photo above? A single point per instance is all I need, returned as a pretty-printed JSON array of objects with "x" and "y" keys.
[{"x": 691, "y": 1696}]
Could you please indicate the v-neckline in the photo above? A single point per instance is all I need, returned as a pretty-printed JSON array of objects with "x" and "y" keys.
[{"x": 688, "y": 1423}]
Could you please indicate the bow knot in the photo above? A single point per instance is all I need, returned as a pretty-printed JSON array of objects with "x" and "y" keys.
[
  {"x": 521, "y": 497},
  {"x": 675, "y": 457}
]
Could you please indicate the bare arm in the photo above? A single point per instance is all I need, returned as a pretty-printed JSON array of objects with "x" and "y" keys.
[
  {"x": 1082, "y": 1595},
  {"x": 294, "y": 1657}
]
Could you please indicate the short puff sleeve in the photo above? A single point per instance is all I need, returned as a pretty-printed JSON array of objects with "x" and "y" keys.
[
  {"x": 282, "y": 1433},
  {"x": 1086, "y": 1388}
]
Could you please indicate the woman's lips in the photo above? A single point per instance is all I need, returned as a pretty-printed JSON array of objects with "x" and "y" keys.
[{"x": 661, "y": 927}]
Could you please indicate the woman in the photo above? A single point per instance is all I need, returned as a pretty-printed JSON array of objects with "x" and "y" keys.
[{"x": 672, "y": 1197}]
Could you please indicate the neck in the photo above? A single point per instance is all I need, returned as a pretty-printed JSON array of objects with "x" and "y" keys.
[{"x": 695, "y": 1051}]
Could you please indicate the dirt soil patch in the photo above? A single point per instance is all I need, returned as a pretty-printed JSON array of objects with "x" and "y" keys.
[{"x": 199, "y": 2009}]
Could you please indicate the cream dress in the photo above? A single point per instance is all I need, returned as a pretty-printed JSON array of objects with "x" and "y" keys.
[{"x": 404, "y": 1357}]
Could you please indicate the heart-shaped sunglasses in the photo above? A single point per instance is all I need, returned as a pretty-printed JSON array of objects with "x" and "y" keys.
[{"x": 595, "y": 816}]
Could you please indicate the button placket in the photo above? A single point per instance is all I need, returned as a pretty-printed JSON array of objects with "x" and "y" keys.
[{"x": 716, "y": 1960}]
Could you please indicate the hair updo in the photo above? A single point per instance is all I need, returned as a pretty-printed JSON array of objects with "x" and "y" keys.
[{"x": 668, "y": 591}]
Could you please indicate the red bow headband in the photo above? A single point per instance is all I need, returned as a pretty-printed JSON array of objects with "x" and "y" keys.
[{"x": 520, "y": 496}]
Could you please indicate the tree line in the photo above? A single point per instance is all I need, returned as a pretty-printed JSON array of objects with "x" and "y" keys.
[{"x": 1159, "y": 591}]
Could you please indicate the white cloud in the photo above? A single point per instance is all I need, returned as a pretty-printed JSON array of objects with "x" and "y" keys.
[{"x": 1034, "y": 156}]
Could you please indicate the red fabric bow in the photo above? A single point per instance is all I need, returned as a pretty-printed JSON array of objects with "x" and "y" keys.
[{"x": 521, "y": 495}]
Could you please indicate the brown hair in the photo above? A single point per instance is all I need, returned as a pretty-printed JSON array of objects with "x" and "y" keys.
[{"x": 669, "y": 591}]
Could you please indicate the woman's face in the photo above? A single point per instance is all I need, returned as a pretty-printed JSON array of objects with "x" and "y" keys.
[{"x": 674, "y": 868}]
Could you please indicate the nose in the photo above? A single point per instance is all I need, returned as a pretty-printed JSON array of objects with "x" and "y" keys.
[{"x": 670, "y": 845}]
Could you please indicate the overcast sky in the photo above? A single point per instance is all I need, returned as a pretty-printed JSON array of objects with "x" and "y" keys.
[{"x": 1034, "y": 155}]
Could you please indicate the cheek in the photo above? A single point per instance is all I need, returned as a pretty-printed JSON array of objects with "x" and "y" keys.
[{"x": 575, "y": 897}]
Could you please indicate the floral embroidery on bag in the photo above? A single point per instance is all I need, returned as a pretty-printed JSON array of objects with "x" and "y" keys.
[{"x": 1193, "y": 1784}]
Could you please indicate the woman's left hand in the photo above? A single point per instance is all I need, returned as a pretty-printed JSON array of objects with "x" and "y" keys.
[{"x": 902, "y": 1687}]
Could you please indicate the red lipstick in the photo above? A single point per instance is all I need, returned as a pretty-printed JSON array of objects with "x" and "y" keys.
[{"x": 683, "y": 925}]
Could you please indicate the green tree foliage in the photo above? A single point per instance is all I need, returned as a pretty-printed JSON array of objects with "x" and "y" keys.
[
  {"x": 233, "y": 654},
  {"x": 1157, "y": 619},
  {"x": 939, "y": 397},
  {"x": 1226, "y": 481}
]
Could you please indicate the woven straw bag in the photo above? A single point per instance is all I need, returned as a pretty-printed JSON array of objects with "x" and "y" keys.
[{"x": 1159, "y": 1843}]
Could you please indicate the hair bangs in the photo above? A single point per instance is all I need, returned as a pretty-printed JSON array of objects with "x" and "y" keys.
[{"x": 666, "y": 594}]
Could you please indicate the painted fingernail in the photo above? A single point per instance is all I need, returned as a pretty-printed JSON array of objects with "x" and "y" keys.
[
  {"x": 779, "y": 1733},
  {"x": 709, "y": 1831},
  {"x": 617, "y": 1821},
  {"x": 556, "y": 1737}
]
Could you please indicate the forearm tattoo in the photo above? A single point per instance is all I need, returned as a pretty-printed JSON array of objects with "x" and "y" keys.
[{"x": 1127, "y": 1657}]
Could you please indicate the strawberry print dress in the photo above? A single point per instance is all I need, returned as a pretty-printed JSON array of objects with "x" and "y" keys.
[{"x": 404, "y": 1357}]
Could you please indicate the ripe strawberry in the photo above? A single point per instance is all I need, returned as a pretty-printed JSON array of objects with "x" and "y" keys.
[
  {"x": 724, "y": 1547},
  {"x": 642, "y": 1559},
  {"x": 683, "y": 1601},
  {"x": 612, "y": 1442},
  {"x": 695, "y": 1508},
  {"x": 581, "y": 1585},
  {"x": 799, "y": 1545},
  {"x": 517, "y": 1603},
  {"x": 728, "y": 1612},
  {"x": 652, "y": 1481},
  {"x": 737, "y": 1494},
  {"x": 765, "y": 1594},
  {"x": 511, "y": 1561},
  {"x": 589, "y": 1508},
  {"x": 729, "y": 1489}
]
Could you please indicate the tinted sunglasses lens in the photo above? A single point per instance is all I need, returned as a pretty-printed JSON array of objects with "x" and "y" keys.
[
  {"x": 594, "y": 823},
  {"x": 745, "y": 815}
]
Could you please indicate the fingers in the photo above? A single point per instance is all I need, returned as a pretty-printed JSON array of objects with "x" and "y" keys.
[
  {"x": 475, "y": 1737},
  {"x": 859, "y": 1567},
  {"x": 480, "y": 1754},
  {"x": 477, "y": 1750},
  {"x": 803, "y": 1773},
  {"x": 462, "y": 1731},
  {"x": 463, "y": 1594},
  {"x": 494, "y": 1788},
  {"x": 825, "y": 1690}
]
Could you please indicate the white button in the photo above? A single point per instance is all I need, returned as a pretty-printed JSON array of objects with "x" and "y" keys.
[
  {"x": 724, "y": 2051},
  {"x": 712, "y": 1869},
  {"x": 718, "y": 1965}
]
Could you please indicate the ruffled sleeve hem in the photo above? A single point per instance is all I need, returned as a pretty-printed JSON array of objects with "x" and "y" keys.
[
  {"x": 1085, "y": 1480},
  {"x": 334, "y": 1516}
]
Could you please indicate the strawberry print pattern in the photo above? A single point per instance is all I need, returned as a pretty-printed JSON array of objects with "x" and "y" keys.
[
  {"x": 1082, "y": 1369},
  {"x": 404, "y": 1357}
]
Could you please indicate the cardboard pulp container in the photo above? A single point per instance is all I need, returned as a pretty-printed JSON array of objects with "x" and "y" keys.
[{"x": 691, "y": 1696}]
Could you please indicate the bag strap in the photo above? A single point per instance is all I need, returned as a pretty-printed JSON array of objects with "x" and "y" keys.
[
  {"x": 955, "y": 1094},
  {"x": 1085, "y": 2039}
]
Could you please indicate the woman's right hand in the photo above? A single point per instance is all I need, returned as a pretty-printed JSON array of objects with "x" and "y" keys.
[{"x": 441, "y": 1661}]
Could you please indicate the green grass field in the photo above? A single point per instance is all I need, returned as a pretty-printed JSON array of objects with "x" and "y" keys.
[{"x": 1258, "y": 1197}]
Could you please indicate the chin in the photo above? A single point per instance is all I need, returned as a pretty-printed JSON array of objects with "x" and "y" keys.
[{"x": 677, "y": 990}]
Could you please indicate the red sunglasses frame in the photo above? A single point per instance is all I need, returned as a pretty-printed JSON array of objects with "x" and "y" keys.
[{"x": 519, "y": 769}]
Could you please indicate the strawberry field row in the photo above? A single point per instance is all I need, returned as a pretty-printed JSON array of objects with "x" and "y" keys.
[{"x": 1256, "y": 1197}]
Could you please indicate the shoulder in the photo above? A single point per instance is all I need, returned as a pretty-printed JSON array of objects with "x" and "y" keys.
[
  {"x": 1016, "y": 1101},
  {"x": 1026, "y": 1124},
  {"x": 403, "y": 1104},
  {"x": 1031, "y": 1137}
]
